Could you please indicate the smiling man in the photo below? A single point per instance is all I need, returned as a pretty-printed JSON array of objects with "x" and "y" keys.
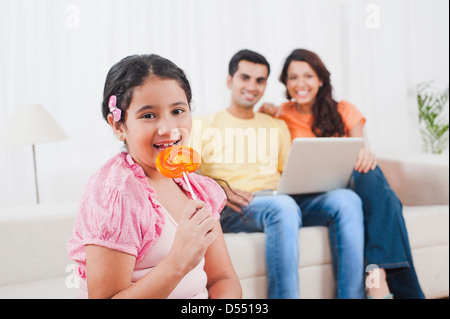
[
  {"x": 247, "y": 149},
  {"x": 234, "y": 146}
]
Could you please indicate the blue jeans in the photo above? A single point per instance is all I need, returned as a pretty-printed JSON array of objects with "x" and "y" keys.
[
  {"x": 386, "y": 237},
  {"x": 280, "y": 217}
]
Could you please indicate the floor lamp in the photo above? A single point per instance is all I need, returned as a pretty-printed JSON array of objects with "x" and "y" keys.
[{"x": 31, "y": 124}]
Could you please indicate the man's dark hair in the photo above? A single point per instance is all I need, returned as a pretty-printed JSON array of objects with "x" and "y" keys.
[{"x": 246, "y": 55}]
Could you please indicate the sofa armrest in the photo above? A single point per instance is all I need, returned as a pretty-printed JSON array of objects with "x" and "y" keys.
[{"x": 418, "y": 179}]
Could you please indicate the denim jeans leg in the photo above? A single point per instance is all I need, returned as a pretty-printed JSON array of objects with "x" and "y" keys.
[
  {"x": 386, "y": 237},
  {"x": 341, "y": 211},
  {"x": 279, "y": 218}
]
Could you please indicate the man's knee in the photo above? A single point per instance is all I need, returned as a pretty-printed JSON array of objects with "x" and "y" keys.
[
  {"x": 345, "y": 202},
  {"x": 284, "y": 209}
]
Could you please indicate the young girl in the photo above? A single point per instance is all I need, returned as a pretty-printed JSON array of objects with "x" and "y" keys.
[{"x": 137, "y": 233}]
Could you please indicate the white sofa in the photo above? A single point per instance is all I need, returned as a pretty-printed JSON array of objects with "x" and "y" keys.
[{"x": 34, "y": 262}]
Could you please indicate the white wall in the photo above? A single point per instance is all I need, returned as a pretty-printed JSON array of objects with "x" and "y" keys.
[{"x": 57, "y": 52}]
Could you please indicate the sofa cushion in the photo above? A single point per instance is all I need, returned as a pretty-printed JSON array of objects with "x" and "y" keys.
[
  {"x": 33, "y": 241},
  {"x": 427, "y": 225},
  {"x": 247, "y": 250},
  {"x": 51, "y": 288},
  {"x": 417, "y": 180}
]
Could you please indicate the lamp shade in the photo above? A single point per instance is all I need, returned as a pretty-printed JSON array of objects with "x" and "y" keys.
[{"x": 31, "y": 124}]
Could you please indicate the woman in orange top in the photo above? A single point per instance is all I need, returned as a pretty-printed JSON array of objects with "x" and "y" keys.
[{"x": 312, "y": 112}]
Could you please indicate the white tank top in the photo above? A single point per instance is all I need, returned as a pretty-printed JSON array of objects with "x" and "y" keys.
[{"x": 192, "y": 286}]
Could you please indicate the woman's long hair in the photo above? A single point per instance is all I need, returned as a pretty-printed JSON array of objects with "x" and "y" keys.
[{"x": 327, "y": 121}]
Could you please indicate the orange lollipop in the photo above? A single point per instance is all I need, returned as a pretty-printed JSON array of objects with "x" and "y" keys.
[{"x": 177, "y": 161}]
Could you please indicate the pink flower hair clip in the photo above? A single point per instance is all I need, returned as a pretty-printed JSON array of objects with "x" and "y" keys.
[{"x": 116, "y": 112}]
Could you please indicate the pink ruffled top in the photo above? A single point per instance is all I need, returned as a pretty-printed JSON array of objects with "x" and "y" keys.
[{"x": 120, "y": 211}]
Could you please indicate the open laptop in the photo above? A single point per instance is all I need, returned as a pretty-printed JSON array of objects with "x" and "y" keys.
[{"x": 318, "y": 165}]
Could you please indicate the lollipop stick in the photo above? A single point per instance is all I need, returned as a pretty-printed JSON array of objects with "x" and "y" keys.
[{"x": 189, "y": 186}]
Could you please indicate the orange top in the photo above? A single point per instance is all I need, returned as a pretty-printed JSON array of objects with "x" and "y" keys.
[{"x": 300, "y": 124}]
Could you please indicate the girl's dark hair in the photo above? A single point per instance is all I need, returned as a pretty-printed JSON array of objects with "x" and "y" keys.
[
  {"x": 131, "y": 72},
  {"x": 327, "y": 121},
  {"x": 225, "y": 186}
]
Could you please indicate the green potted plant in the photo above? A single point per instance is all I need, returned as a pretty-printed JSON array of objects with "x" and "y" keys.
[{"x": 433, "y": 119}]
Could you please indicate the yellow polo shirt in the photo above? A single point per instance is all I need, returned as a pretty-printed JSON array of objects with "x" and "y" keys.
[{"x": 247, "y": 153}]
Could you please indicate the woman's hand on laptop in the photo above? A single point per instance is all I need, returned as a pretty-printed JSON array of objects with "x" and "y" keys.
[
  {"x": 366, "y": 161},
  {"x": 237, "y": 197}
]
